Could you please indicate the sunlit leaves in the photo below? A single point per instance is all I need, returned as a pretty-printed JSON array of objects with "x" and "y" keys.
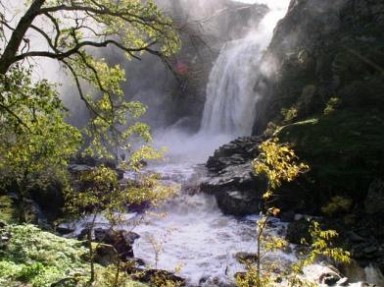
[
  {"x": 34, "y": 137},
  {"x": 72, "y": 31},
  {"x": 322, "y": 245},
  {"x": 278, "y": 162}
]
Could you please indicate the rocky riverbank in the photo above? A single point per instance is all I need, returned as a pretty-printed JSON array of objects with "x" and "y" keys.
[{"x": 238, "y": 192}]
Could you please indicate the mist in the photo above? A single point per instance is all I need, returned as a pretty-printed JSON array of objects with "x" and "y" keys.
[
  {"x": 176, "y": 101},
  {"x": 230, "y": 95}
]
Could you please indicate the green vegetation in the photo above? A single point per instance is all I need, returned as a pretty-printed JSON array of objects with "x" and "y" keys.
[
  {"x": 41, "y": 259},
  {"x": 279, "y": 163},
  {"x": 344, "y": 150},
  {"x": 35, "y": 141},
  {"x": 102, "y": 194}
]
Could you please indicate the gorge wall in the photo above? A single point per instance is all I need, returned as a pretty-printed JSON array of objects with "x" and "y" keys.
[
  {"x": 325, "y": 96},
  {"x": 328, "y": 91}
]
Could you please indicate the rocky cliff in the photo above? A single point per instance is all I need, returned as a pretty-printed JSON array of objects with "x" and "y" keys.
[
  {"x": 328, "y": 93},
  {"x": 324, "y": 96}
]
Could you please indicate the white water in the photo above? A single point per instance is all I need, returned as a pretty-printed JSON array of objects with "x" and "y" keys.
[
  {"x": 193, "y": 237},
  {"x": 231, "y": 100},
  {"x": 190, "y": 235}
]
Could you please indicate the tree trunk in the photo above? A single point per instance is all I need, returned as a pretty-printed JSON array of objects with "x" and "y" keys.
[{"x": 8, "y": 57}]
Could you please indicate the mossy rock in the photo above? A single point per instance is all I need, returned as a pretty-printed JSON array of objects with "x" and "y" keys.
[{"x": 36, "y": 258}]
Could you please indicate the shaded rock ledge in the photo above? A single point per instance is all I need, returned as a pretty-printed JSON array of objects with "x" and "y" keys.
[{"x": 231, "y": 180}]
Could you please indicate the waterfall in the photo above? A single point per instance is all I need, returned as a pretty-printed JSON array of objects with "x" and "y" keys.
[{"x": 230, "y": 98}]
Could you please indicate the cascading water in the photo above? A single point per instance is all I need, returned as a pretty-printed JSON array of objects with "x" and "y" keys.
[
  {"x": 231, "y": 100},
  {"x": 194, "y": 235}
]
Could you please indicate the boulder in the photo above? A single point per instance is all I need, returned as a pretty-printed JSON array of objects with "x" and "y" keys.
[
  {"x": 231, "y": 179},
  {"x": 65, "y": 228},
  {"x": 157, "y": 277},
  {"x": 298, "y": 230},
  {"x": 121, "y": 240},
  {"x": 106, "y": 254},
  {"x": 238, "y": 203},
  {"x": 246, "y": 258}
]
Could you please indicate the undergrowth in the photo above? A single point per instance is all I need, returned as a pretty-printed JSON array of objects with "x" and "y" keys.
[{"x": 41, "y": 259}]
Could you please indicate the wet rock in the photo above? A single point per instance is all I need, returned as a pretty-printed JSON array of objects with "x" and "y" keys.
[
  {"x": 106, "y": 254},
  {"x": 329, "y": 278},
  {"x": 298, "y": 230},
  {"x": 287, "y": 216},
  {"x": 83, "y": 235},
  {"x": 65, "y": 228},
  {"x": 238, "y": 203},
  {"x": 121, "y": 240},
  {"x": 246, "y": 258},
  {"x": 231, "y": 179},
  {"x": 208, "y": 281},
  {"x": 237, "y": 152},
  {"x": 157, "y": 277},
  {"x": 342, "y": 282}
]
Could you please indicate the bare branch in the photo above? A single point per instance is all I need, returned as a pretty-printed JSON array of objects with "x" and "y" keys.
[
  {"x": 46, "y": 37},
  {"x": 57, "y": 28},
  {"x": 62, "y": 55}
]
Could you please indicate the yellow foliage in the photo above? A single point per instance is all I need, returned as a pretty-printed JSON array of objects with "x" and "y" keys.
[{"x": 278, "y": 162}]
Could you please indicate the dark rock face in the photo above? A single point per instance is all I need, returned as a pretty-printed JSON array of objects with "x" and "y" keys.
[
  {"x": 328, "y": 61},
  {"x": 246, "y": 258},
  {"x": 363, "y": 237},
  {"x": 230, "y": 177}
]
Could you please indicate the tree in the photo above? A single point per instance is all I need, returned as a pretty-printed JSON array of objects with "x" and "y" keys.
[
  {"x": 279, "y": 163},
  {"x": 70, "y": 31},
  {"x": 104, "y": 195},
  {"x": 36, "y": 142}
]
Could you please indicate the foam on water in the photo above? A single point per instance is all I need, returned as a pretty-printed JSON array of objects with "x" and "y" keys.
[{"x": 190, "y": 235}]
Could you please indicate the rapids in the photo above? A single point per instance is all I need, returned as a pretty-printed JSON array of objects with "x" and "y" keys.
[{"x": 192, "y": 236}]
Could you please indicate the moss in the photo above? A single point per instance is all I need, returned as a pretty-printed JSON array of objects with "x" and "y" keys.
[
  {"x": 8, "y": 212},
  {"x": 41, "y": 258}
]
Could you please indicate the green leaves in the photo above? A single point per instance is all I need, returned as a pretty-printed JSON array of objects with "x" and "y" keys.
[{"x": 34, "y": 137}]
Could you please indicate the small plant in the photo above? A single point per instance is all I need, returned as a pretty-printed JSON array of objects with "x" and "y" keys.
[
  {"x": 336, "y": 205},
  {"x": 289, "y": 114},
  {"x": 279, "y": 163},
  {"x": 320, "y": 247},
  {"x": 102, "y": 194},
  {"x": 157, "y": 246},
  {"x": 332, "y": 104}
]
